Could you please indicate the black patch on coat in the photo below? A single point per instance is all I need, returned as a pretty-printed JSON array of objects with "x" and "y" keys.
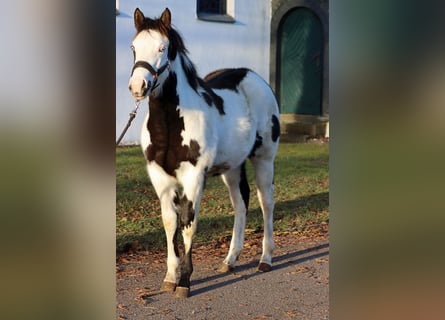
[
  {"x": 226, "y": 78},
  {"x": 244, "y": 185},
  {"x": 186, "y": 215},
  {"x": 275, "y": 128},
  {"x": 258, "y": 143},
  {"x": 165, "y": 126},
  {"x": 193, "y": 152},
  {"x": 186, "y": 269},
  {"x": 217, "y": 169},
  {"x": 210, "y": 97},
  {"x": 175, "y": 242},
  {"x": 207, "y": 98},
  {"x": 185, "y": 210}
]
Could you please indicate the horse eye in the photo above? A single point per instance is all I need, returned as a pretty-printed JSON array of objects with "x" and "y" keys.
[{"x": 161, "y": 48}]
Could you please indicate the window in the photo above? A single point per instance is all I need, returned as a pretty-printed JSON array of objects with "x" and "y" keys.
[{"x": 214, "y": 10}]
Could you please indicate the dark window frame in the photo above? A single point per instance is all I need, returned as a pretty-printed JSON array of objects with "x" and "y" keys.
[{"x": 207, "y": 11}]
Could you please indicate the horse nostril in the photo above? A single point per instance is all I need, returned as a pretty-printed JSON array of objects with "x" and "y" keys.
[{"x": 146, "y": 84}]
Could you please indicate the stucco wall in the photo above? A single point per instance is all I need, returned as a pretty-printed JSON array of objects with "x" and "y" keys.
[{"x": 212, "y": 45}]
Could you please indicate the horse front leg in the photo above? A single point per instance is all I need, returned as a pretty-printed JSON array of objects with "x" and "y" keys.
[
  {"x": 187, "y": 205},
  {"x": 169, "y": 220},
  {"x": 165, "y": 187}
]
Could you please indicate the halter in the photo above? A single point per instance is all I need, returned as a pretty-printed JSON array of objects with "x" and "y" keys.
[{"x": 154, "y": 73}]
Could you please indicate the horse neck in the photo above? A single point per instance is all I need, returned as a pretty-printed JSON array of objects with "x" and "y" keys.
[
  {"x": 181, "y": 81},
  {"x": 187, "y": 78}
]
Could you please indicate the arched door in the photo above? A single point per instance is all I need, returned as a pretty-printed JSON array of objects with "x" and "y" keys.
[{"x": 300, "y": 52}]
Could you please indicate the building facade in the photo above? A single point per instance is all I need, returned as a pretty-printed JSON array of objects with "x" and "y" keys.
[{"x": 285, "y": 41}]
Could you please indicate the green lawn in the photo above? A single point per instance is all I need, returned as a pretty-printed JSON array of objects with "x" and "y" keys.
[{"x": 301, "y": 198}]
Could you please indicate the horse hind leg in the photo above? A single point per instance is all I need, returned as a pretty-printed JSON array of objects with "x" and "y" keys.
[
  {"x": 236, "y": 181},
  {"x": 264, "y": 171}
]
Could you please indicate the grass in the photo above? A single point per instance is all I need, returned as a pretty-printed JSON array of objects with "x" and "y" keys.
[{"x": 301, "y": 198}]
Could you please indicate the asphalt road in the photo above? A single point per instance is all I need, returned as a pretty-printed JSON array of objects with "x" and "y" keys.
[{"x": 296, "y": 288}]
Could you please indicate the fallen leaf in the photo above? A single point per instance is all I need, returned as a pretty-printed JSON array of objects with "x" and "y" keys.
[{"x": 291, "y": 313}]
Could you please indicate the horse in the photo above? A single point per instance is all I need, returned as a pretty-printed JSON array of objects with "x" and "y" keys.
[{"x": 197, "y": 128}]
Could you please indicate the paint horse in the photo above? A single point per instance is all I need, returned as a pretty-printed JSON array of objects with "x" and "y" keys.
[{"x": 198, "y": 128}]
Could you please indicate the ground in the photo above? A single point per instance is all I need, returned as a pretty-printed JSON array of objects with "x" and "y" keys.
[{"x": 296, "y": 288}]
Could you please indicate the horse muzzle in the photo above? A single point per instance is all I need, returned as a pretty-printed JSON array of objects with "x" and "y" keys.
[{"x": 139, "y": 88}]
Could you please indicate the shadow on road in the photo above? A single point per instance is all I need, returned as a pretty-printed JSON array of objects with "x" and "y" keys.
[{"x": 288, "y": 259}]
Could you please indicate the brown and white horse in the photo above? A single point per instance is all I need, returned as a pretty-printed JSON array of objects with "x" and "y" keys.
[{"x": 198, "y": 128}]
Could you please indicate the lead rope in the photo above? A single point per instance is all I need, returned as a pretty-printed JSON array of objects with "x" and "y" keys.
[{"x": 132, "y": 116}]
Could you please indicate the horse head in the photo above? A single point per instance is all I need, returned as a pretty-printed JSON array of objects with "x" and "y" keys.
[{"x": 151, "y": 53}]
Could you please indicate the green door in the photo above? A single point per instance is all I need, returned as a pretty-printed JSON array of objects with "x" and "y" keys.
[{"x": 301, "y": 62}]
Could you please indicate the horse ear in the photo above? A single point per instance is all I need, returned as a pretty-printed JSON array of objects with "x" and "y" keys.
[
  {"x": 166, "y": 18},
  {"x": 138, "y": 18}
]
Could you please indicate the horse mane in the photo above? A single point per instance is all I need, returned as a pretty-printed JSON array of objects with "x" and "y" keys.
[{"x": 177, "y": 46}]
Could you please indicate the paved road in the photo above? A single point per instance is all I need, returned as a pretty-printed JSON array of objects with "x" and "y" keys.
[{"x": 296, "y": 288}]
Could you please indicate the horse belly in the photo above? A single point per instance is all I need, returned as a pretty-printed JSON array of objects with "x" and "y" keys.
[{"x": 236, "y": 131}]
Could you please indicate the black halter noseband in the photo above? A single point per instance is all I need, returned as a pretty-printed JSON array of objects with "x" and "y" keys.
[
  {"x": 146, "y": 65},
  {"x": 154, "y": 73}
]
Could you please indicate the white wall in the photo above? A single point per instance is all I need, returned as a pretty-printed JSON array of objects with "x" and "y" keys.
[{"x": 212, "y": 45}]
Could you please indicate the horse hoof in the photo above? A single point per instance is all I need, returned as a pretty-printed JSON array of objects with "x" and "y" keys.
[
  {"x": 182, "y": 292},
  {"x": 224, "y": 268},
  {"x": 168, "y": 286},
  {"x": 264, "y": 267}
]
